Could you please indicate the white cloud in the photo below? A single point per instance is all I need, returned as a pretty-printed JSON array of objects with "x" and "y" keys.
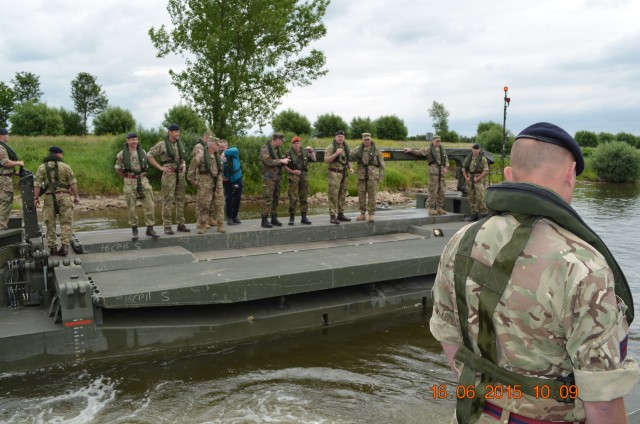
[{"x": 571, "y": 62}]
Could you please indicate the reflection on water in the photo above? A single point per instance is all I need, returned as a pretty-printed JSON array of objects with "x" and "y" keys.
[{"x": 370, "y": 371}]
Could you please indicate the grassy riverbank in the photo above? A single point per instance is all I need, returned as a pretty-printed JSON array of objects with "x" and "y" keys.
[{"x": 93, "y": 157}]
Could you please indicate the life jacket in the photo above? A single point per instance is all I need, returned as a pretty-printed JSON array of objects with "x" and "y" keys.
[
  {"x": 372, "y": 160},
  {"x": 232, "y": 167},
  {"x": 528, "y": 203},
  {"x": 176, "y": 157},
  {"x": 473, "y": 166},
  {"x": 126, "y": 159},
  {"x": 443, "y": 156},
  {"x": 301, "y": 164},
  {"x": 53, "y": 183}
]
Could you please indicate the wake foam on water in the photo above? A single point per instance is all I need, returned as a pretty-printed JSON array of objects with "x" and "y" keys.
[{"x": 79, "y": 406}]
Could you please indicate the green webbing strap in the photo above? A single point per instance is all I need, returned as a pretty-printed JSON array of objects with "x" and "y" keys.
[{"x": 493, "y": 281}]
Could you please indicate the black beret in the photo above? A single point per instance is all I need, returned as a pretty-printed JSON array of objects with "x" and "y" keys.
[
  {"x": 3, "y": 131},
  {"x": 476, "y": 146},
  {"x": 339, "y": 132},
  {"x": 549, "y": 133},
  {"x": 132, "y": 135},
  {"x": 174, "y": 127},
  {"x": 55, "y": 149}
]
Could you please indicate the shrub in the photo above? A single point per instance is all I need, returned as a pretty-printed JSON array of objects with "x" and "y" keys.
[
  {"x": 35, "y": 119},
  {"x": 113, "y": 120},
  {"x": 586, "y": 138},
  {"x": 361, "y": 125},
  {"x": 72, "y": 121},
  {"x": 491, "y": 140},
  {"x": 391, "y": 128},
  {"x": 326, "y": 125},
  {"x": 291, "y": 121},
  {"x": 617, "y": 162},
  {"x": 628, "y": 138},
  {"x": 187, "y": 119}
]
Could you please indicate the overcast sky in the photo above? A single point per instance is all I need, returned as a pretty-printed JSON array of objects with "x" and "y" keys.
[{"x": 571, "y": 62}]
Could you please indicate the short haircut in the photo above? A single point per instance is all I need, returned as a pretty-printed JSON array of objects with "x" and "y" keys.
[{"x": 528, "y": 155}]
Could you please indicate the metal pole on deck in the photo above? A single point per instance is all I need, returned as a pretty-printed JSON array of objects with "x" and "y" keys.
[{"x": 504, "y": 128}]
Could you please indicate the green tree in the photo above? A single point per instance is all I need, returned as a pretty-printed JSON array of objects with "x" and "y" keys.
[
  {"x": 34, "y": 119},
  {"x": 391, "y": 128},
  {"x": 361, "y": 125},
  {"x": 440, "y": 117},
  {"x": 187, "y": 119},
  {"x": 242, "y": 57},
  {"x": 606, "y": 137},
  {"x": 327, "y": 124},
  {"x": 586, "y": 138},
  {"x": 88, "y": 97},
  {"x": 6, "y": 103},
  {"x": 113, "y": 120},
  {"x": 72, "y": 122},
  {"x": 291, "y": 121},
  {"x": 617, "y": 162},
  {"x": 449, "y": 136},
  {"x": 490, "y": 137},
  {"x": 628, "y": 138},
  {"x": 26, "y": 87}
]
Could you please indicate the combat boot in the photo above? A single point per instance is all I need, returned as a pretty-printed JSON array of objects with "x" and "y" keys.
[
  {"x": 151, "y": 232},
  {"x": 292, "y": 219},
  {"x": 183, "y": 228},
  {"x": 361, "y": 217},
  {"x": 210, "y": 223},
  {"x": 341, "y": 217},
  {"x": 168, "y": 230},
  {"x": 441, "y": 211},
  {"x": 202, "y": 228},
  {"x": 221, "y": 227},
  {"x": 230, "y": 222},
  {"x": 274, "y": 221},
  {"x": 432, "y": 212},
  {"x": 53, "y": 251},
  {"x": 372, "y": 218},
  {"x": 64, "y": 250},
  {"x": 334, "y": 220},
  {"x": 236, "y": 220},
  {"x": 265, "y": 222},
  {"x": 134, "y": 232},
  {"x": 304, "y": 219}
]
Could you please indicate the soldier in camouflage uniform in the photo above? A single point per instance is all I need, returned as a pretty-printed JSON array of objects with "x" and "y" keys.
[
  {"x": 272, "y": 162},
  {"x": 56, "y": 181},
  {"x": 438, "y": 167},
  {"x": 531, "y": 300},
  {"x": 173, "y": 167},
  {"x": 474, "y": 169},
  {"x": 370, "y": 173},
  {"x": 298, "y": 189},
  {"x": 205, "y": 172},
  {"x": 131, "y": 165},
  {"x": 337, "y": 156},
  {"x": 8, "y": 160}
]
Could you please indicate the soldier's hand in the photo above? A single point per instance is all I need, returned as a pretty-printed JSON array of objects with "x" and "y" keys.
[
  {"x": 407, "y": 149},
  {"x": 76, "y": 200},
  {"x": 339, "y": 151},
  {"x": 36, "y": 201},
  {"x": 285, "y": 161}
]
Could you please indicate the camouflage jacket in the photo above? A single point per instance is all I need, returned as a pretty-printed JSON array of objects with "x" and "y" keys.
[
  {"x": 340, "y": 163},
  {"x": 160, "y": 150},
  {"x": 135, "y": 160},
  {"x": 198, "y": 166},
  {"x": 559, "y": 314},
  {"x": 65, "y": 178},
  {"x": 374, "y": 162},
  {"x": 432, "y": 160},
  {"x": 271, "y": 167}
]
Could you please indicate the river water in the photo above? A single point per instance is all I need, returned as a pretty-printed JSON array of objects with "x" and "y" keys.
[{"x": 379, "y": 370}]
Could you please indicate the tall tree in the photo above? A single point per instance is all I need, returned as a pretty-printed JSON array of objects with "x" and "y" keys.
[
  {"x": 440, "y": 117},
  {"x": 88, "y": 97},
  {"x": 242, "y": 56},
  {"x": 26, "y": 87},
  {"x": 6, "y": 103},
  {"x": 185, "y": 117}
]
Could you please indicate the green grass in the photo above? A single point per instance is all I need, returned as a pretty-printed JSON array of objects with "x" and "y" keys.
[{"x": 92, "y": 158}]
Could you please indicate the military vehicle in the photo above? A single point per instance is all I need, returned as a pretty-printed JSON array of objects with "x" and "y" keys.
[{"x": 120, "y": 297}]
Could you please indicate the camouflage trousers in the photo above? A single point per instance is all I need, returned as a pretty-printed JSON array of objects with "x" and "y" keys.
[
  {"x": 172, "y": 193},
  {"x": 148, "y": 203},
  {"x": 298, "y": 191},
  {"x": 64, "y": 216},
  {"x": 338, "y": 188},
  {"x": 270, "y": 196},
  {"x": 367, "y": 189},
  {"x": 210, "y": 200},
  {"x": 476, "y": 198},
  {"x": 436, "y": 192},
  {"x": 6, "y": 201}
]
